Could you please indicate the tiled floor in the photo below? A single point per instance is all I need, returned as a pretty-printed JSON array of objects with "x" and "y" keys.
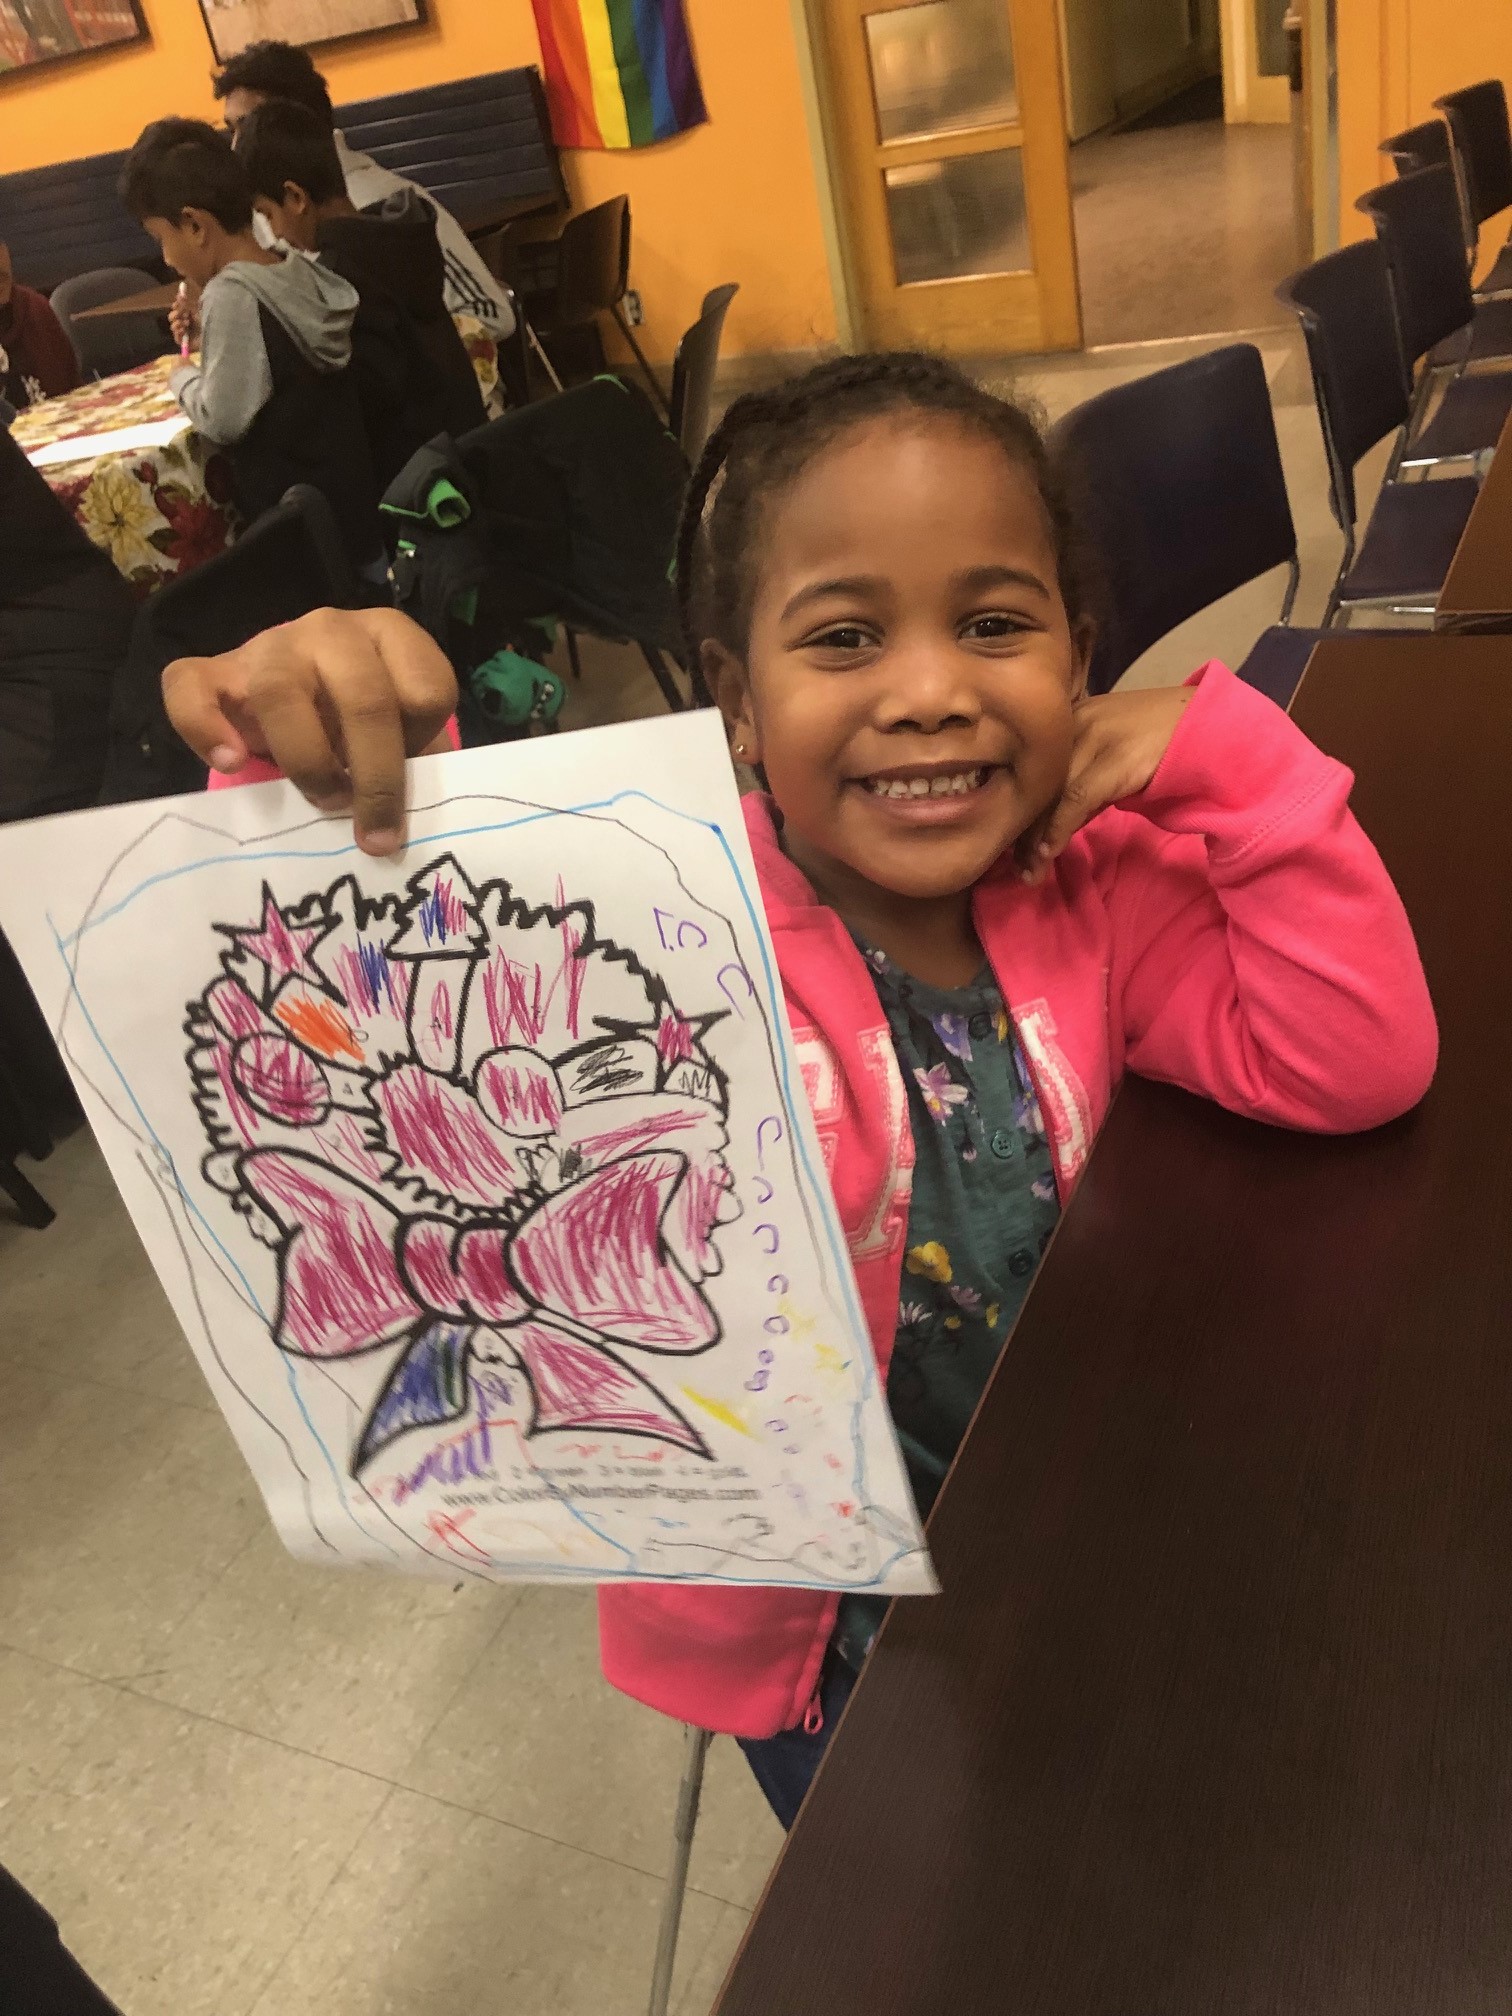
[
  {"x": 1182, "y": 229},
  {"x": 252, "y": 1788}
]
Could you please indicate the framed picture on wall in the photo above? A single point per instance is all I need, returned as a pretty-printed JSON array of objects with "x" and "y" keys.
[
  {"x": 33, "y": 32},
  {"x": 232, "y": 24}
]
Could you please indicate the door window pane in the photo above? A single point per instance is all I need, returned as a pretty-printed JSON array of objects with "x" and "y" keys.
[
  {"x": 959, "y": 217},
  {"x": 944, "y": 66}
]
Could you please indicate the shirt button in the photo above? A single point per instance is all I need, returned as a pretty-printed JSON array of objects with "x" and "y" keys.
[
  {"x": 1002, "y": 1143},
  {"x": 980, "y": 1026}
]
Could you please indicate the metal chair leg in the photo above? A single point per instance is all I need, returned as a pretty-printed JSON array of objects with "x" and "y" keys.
[
  {"x": 640, "y": 357},
  {"x": 675, "y": 702},
  {"x": 696, "y": 1750},
  {"x": 545, "y": 362}
]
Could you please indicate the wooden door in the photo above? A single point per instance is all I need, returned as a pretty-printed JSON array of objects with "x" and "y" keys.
[{"x": 949, "y": 127}]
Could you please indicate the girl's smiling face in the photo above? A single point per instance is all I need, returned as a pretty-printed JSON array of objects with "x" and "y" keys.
[{"x": 910, "y": 671}]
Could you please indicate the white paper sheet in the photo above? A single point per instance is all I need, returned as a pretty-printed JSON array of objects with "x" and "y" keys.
[
  {"x": 483, "y": 1182},
  {"x": 118, "y": 441}
]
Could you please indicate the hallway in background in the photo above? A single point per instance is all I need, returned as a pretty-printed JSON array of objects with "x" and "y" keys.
[{"x": 1183, "y": 225}]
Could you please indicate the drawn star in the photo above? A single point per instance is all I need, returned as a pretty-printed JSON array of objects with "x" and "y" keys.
[
  {"x": 282, "y": 946},
  {"x": 675, "y": 1035}
]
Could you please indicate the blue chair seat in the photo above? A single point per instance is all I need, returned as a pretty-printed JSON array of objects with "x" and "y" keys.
[
  {"x": 1275, "y": 665},
  {"x": 1468, "y": 422},
  {"x": 1488, "y": 336},
  {"x": 1410, "y": 541}
]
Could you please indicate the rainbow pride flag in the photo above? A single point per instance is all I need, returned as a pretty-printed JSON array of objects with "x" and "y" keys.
[{"x": 619, "y": 73}]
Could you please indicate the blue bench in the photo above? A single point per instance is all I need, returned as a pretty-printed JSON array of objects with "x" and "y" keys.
[{"x": 481, "y": 146}]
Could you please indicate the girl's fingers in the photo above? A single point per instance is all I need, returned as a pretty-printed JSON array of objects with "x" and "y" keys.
[
  {"x": 360, "y": 699},
  {"x": 194, "y": 702},
  {"x": 423, "y": 680}
]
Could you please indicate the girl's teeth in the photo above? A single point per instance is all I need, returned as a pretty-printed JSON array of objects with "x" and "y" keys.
[{"x": 954, "y": 785}]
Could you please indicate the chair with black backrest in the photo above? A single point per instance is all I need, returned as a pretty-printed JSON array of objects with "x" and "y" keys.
[
  {"x": 1179, "y": 485},
  {"x": 289, "y": 562},
  {"x": 1437, "y": 318},
  {"x": 693, "y": 372},
  {"x": 563, "y": 512},
  {"x": 105, "y": 344},
  {"x": 1481, "y": 136},
  {"x": 1344, "y": 303},
  {"x": 592, "y": 275},
  {"x": 1489, "y": 334}
]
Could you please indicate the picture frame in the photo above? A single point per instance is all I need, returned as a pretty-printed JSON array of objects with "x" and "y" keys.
[
  {"x": 232, "y": 24},
  {"x": 35, "y": 34}
]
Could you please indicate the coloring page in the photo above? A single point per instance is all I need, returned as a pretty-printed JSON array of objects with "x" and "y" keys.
[{"x": 482, "y": 1181}]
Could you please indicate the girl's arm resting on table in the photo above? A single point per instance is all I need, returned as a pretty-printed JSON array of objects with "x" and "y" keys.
[{"x": 1262, "y": 956}]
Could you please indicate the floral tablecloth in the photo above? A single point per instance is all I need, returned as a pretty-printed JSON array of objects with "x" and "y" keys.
[
  {"x": 158, "y": 511},
  {"x": 155, "y": 511}
]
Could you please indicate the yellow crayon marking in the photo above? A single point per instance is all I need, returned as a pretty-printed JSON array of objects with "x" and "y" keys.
[{"x": 719, "y": 1410}]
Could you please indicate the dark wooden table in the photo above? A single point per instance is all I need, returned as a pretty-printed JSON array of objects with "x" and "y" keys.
[
  {"x": 1477, "y": 593},
  {"x": 159, "y": 297},
  {"x": 1214, "y": 1717}
]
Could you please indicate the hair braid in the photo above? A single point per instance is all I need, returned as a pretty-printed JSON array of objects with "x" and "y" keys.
[{"x": 766, "y": 439}]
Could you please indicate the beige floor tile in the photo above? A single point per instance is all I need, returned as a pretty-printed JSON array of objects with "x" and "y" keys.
[
  {"x": 80, "y": 1297},
  {"x": 538, "y": 1738},
  {"x": 440, "y": 1912},
  {"x": 707, "y": 1978},
  {"x": 182, "y": 1859},
  {"x": 117, "y": 1514},
  {"x": 354, "y": 1667},
  {"x": 45, "y": 1712}
]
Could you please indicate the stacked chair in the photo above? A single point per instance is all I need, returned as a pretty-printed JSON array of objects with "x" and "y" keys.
[
  {"x": 1349, "y": 319},
  {"x": 1474, "y": 140},
  {"x": 1177, "y": 478}
]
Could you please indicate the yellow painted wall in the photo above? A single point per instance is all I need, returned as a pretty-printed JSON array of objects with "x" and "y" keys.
[
  {"x": 734, "y": 200},
  {"x": 1395, "y": 58}
]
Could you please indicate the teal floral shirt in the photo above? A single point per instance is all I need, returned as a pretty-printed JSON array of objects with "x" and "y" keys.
[{"x": 984, "y": 1205}]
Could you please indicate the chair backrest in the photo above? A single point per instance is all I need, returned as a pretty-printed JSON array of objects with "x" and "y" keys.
[
  {"x": 693, "y": 370},
  {"x": 1415, "y": 147},
  {"x": 593, "y": 262},
  {"x": 1417, "y": 221},
  {"x": 105, "y": 344},
  {"x": 480, "y": 143},
  {"x": 1178, "y": 484},
  {"x": 288, "y": 562},
  {"x": 1482, "y": 136},
  {"x": 1430, "y": 146},
  {"x": 1348, "y": 315},
  {"x": 582, "y": 494},
  {"x": 67, "y": 219}
]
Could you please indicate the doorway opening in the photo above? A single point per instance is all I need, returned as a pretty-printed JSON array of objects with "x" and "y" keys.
[{"x": 1182, "y": 170}]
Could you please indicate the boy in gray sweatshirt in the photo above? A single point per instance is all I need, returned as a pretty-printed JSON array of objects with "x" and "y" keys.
[{"x": 272, "y": 386}]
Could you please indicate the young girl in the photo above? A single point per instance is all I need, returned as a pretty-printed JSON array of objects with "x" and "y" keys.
[{"x": 988, "y": 894}]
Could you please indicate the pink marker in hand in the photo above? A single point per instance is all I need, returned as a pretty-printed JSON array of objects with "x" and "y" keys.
[{"x": 183, "y": 302}]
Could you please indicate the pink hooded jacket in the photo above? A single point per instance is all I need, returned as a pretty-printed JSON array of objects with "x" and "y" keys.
[{"x": 1230, "y": 930}]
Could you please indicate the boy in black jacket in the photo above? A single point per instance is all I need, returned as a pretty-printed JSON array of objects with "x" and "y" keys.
[{"x": 414, "y": 376}]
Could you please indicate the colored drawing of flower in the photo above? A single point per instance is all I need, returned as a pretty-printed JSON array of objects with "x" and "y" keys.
[
  {"x": 931, "y": 1260},
  {"x": 941, "y": 1092},
  {"x": 475, "y": 1131},
  {"x": 118, "y": 514}
]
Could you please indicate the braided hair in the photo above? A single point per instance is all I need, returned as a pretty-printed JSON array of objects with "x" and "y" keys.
[{"x": 767, "y": 439}]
